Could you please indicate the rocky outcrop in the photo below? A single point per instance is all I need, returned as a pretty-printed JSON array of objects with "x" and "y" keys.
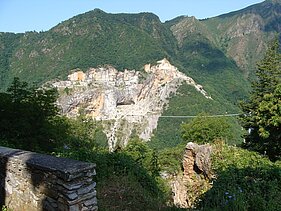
[
  {"x": 194, "y": 181},
  {"x": 128, "y": 103}
]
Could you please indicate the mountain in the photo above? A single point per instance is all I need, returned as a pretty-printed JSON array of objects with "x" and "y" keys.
[
  {"x": 220, "y": 53},
  {"x": 88, "y": 40},
  {"x": 241, "y": 35},
  {"x": 249, "y": 32},
  {"x": 8, "y": 44}
]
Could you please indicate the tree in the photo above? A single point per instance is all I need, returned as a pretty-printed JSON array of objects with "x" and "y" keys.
[
  {"x": 204, "y": 129},
  {"x": 143, "y": 155},
  {"x": 29, "y": 117},
  {"x": 84, "y": 133},
  {"x": 262, "y": 112}
]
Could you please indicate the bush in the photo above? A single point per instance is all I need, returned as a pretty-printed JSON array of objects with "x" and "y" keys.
[{"x": 245, "y": 181}]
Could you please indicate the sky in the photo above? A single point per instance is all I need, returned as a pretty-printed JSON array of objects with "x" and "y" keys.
[{"x": 41, "y": 15}]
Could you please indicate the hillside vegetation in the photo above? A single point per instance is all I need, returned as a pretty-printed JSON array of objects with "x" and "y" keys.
[{"x": 130, "y": 178}]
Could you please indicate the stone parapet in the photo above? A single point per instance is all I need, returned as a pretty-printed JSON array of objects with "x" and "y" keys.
[{"x": 32, "y": 181}]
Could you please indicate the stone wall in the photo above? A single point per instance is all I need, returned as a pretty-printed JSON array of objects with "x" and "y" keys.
[{"x": 32, "y": 181}]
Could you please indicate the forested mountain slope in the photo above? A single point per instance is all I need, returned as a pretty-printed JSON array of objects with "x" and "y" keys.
[
  {"x": 220, "y": 53},
  {"x": 244, "y": 35}
]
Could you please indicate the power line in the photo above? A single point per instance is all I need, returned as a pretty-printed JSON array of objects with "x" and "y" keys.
[{"x": 218, "y": 115}]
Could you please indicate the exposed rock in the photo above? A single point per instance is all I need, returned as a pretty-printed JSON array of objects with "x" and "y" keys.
[
  {"x": 196, "y": 174},
  {"x": 197, "y": 157},
  {"x": 19, "y": 54},
  {"x": 77, "y": 76},
  {"x": 33, "y": 54},
  {"x": 125, "y": 101},
  {"x": 72, "y": 196}
]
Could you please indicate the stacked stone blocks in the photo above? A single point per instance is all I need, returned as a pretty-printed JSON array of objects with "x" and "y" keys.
[{"x": 32, "y": 181}]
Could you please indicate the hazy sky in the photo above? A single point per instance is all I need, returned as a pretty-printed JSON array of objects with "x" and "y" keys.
[{"x": 29, "y": 15}]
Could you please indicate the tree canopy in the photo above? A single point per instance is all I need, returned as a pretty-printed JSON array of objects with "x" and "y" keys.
[
  {"x": 30, "y": 120},
  {"x": 204, "y": 129},
  {"x": 27, "y": 117}
]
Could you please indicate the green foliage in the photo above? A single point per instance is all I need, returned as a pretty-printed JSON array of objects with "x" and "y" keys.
[
  {"x": 125, "y": 178},
  {"x": 204, "y": 129},
  {"x": 126, "y": 193},
  {"x": 84, "y": 133},
  {"x": 224, "y": 30},
  {"x": 143, "y": 155},
  {"x": 30, "y": 120},
  {"x": 8, "y": 44},
  {"x": 263, "y": 111},
  {"x": 130, "y": 178},
  {"x": 130, "y": 41},
  {"x": 244, "y": 181},
  {"x": 90, "y": 40},
  {"x": 26, "y": 113},
  {"x": 187, "y": 102},
  {"x": 170, "y": 159},
  {"x": 136, "y": 169},
  {"x": 5, "y": 208}
]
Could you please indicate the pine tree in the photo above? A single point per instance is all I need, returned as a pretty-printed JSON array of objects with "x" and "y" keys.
[
  {"x": 262, "y": 113},
  {"x": 29, "y": 117}
]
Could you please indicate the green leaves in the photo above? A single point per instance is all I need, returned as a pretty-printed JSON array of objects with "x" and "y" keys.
[
  {"x": 143, "y": 155},
  {"x": 205, "y": 129},
  {"x": 263, "y": 110},
  {"x": 27, "y": 116},
  {"x": 270, "y": 110},
  {"x": 245, "y": 181}
]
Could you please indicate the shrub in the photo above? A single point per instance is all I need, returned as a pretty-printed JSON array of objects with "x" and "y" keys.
[{"x": 245, "y": 181}]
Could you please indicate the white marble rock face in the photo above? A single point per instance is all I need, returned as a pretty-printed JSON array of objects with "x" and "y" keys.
[{"x": 130, "y": 101}]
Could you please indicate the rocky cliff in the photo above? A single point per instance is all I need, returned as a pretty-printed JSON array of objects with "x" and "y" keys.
[
  {"x": 195, "y": 178},
  {"x": 129, "y": 103}
]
